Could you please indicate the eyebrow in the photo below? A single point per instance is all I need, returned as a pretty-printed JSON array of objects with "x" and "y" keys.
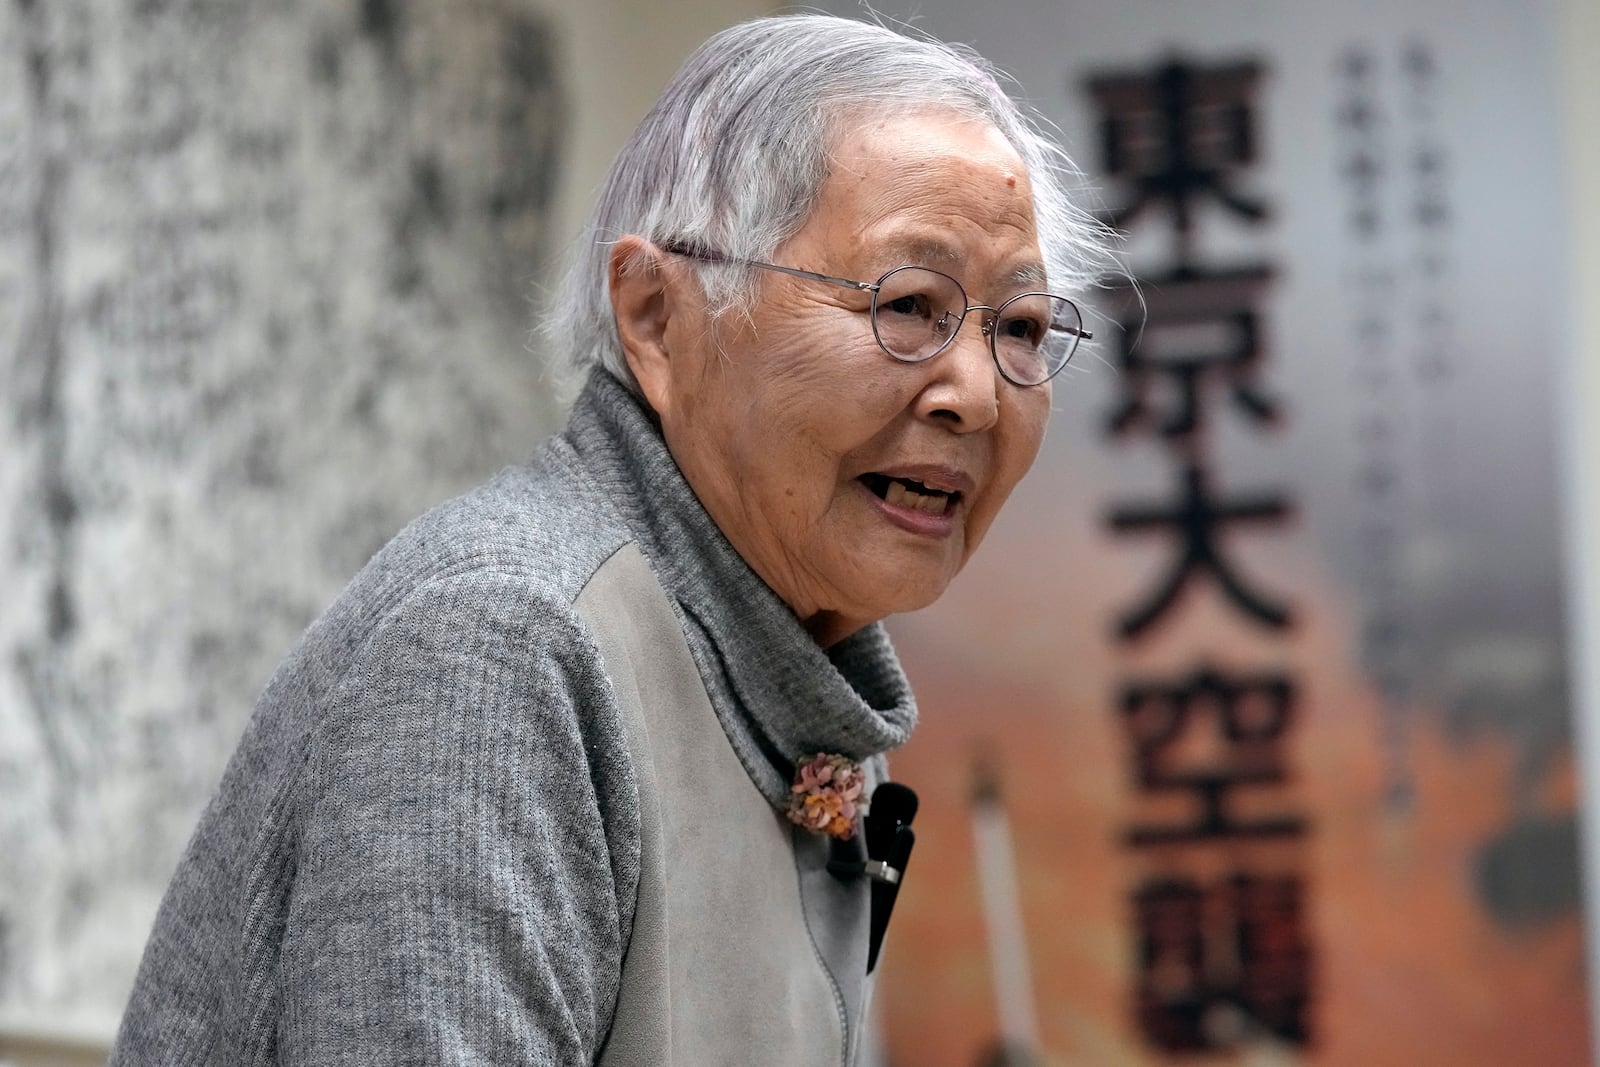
[
  {"x": 920, "y": 250},
  {"x": 924, "y": 250}
]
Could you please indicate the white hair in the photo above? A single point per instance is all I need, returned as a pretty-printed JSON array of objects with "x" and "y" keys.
[{"x": 732, "y": 155}]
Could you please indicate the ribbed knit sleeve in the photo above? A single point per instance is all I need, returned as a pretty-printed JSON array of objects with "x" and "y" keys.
[{"x": 467, "y": 858}]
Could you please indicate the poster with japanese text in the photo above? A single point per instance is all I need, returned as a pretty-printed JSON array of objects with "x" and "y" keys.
[{"x": 1247, "y": 736}]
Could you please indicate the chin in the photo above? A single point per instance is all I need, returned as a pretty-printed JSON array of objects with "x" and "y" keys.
[{"x": 917, "y": 597}]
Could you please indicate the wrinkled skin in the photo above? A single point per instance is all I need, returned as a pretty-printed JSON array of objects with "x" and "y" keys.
[{"x": 775, "y": 417}]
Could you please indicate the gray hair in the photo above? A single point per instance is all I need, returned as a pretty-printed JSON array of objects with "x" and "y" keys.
[{"x": 733, "y": 153}]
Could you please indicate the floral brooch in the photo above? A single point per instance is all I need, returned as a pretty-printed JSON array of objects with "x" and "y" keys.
[{"x": 827, "y": 795}]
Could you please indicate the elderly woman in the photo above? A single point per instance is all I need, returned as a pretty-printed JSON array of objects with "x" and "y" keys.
[{"x": 524, "y": 794}]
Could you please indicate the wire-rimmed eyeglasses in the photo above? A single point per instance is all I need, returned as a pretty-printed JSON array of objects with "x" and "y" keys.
[{"x": 916, "y": 312}]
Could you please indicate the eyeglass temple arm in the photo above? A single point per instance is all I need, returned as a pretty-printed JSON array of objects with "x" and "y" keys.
[
  {"x": 679, "y": 249},
  {"x": 866, "y": 287}
]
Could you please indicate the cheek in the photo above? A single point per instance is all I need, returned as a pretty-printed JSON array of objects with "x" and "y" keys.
[
  {"x": 1024, "y": 432},
  {"x": 1016, "y": 447},
  {"x": 826, "y": 397},
  {"x": 775, "y": 368}
]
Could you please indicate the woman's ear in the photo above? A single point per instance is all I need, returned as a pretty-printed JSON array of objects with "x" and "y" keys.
[{"x": 643, "y": 306}]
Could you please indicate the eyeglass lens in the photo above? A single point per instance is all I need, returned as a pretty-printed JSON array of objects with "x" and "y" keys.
[{"x": 917, "y": 311}]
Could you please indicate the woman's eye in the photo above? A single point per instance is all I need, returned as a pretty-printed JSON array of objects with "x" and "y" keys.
[
  {"x": 912, "y": 304},
  {"x": 1029, "y": 331}
]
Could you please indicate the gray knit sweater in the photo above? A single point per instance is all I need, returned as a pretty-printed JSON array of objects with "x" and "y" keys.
[{"x": 426, "y": 849}]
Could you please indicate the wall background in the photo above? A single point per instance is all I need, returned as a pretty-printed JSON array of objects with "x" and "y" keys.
[{"x": 265, "y": 276}]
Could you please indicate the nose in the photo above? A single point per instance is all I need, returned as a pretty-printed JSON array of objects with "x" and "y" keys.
[{"x": 962, "y": 390}]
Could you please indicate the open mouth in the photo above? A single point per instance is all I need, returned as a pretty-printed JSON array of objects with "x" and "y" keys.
[{"x": 910, "y": 494}]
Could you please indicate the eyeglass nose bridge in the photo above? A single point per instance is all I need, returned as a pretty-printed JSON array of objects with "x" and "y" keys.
[{"x": 985, "y": 324}]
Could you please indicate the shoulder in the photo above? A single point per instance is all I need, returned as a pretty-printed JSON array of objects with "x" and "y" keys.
[
  {"x": 467, "y": 623},
  {"x": 458, "y": 659},
  {"x": 516, "y": 552},
  {"x": 542, "y": 524}
]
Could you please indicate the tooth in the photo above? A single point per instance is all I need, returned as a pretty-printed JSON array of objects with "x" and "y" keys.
[{"x": 930, "y": 501}]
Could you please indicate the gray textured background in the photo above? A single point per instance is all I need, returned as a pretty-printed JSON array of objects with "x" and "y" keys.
[{"x": 264, "y": 295}]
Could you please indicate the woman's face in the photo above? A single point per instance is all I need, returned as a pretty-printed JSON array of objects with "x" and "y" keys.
[{"x": 855, "y": 485}]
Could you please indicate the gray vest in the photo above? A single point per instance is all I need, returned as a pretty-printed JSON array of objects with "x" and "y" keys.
[{"x": 744, "y": 949}]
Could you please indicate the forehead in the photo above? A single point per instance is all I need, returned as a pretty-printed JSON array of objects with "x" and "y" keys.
[{"x": 925, "y": 187}]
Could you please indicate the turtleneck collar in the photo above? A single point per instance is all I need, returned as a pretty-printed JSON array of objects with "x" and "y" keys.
[{"x": 778, "y": 694}]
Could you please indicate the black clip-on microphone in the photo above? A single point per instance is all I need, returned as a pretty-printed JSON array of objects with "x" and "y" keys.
[{"x": 889, "y": 839}]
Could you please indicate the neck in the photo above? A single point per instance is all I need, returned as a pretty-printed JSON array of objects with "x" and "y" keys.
[{"x": 828, "y": 628}]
